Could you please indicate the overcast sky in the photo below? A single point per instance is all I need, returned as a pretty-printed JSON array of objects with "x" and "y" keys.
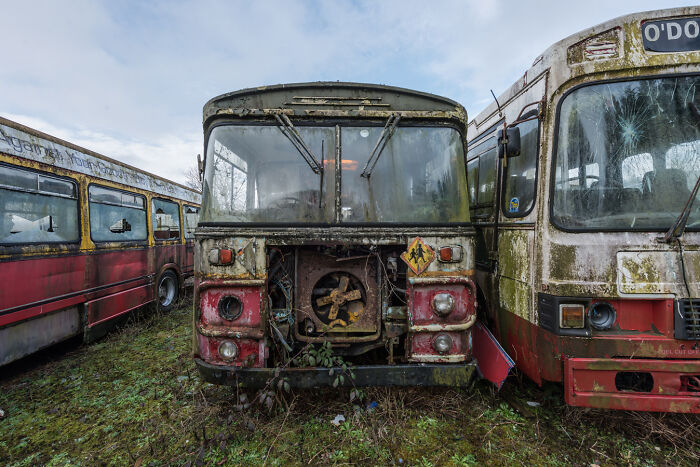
[{"x": 128, "y": 79}]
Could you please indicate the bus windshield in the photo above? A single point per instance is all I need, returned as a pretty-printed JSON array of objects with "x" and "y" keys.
[
  {"x": 628, "y": 155},
  {"x": 254, "y": 174}
]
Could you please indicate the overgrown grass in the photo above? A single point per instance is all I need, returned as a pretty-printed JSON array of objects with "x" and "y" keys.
[{"x": 135, "y": 398}]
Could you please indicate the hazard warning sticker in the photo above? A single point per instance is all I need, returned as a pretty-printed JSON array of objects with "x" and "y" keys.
[{"x": 418, "y": 256}]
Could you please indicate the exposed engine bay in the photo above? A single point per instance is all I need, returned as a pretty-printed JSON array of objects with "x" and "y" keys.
[{"x": 351, "y": 296}]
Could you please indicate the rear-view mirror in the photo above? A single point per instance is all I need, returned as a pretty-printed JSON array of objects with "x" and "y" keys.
[{"x": 509, "y": 146}]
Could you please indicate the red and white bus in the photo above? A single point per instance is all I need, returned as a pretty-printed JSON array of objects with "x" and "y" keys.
[
  {"x": 83, "y": 240},
  {"x": 583, "y": 178}
]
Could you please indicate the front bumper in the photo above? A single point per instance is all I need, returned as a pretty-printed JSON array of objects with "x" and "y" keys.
[
  {"x": 592, "y": 382},
  {"x": 424, "y": 374}
]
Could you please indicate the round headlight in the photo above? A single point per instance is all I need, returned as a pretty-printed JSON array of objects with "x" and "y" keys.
[
  {"x": 228, "y": 350},
  {"x": 442, "y": 343},
  {"x": 443, "y": 304},
  {"x": 230, "y": 308},
  {"x": 602, "y": 316}
]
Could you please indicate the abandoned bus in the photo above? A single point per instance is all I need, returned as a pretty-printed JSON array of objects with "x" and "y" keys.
[
  {"x": 334, "y": 231},
  {"x": 583, "y": 178},
  {"x": 83, "y": 240}
]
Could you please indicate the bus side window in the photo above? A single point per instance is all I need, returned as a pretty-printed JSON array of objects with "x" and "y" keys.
[
  {"x": 521, "y": 171},
  {"x": 487, "y": 181},
  {"x": 473, "y": 181},
  {"x": 116, "y": 216},
  {"x": 165, "y": 220},
  {"x": 37, "y": 208},
  {"x": 191, "y": 215}
]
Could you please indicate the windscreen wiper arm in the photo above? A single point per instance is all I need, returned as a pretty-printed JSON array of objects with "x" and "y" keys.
[
  {"x": 293, "y": 135},
  {"x": 387, "y": 132},
  {"x": 678, "y": 227}
]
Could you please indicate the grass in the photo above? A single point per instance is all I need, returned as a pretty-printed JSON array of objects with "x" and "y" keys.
[{"x": 135, "y": 398}]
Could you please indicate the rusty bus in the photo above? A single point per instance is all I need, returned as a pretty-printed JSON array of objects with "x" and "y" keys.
[
  {"x": 334, "y": 216},
  {"x": 583, "y": 177},
  {"x": 83, "y": 239}
]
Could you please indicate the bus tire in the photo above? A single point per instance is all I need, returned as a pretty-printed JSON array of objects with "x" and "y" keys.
[{"x": 167, "y": 291}]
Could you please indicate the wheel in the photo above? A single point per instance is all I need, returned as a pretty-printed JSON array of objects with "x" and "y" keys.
[{"x": 167, "y": 290}]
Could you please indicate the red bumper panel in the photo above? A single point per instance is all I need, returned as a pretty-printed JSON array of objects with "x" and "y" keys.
[
  {"x": 493, "y": 362},
  {"x": 632, "y": 384}
]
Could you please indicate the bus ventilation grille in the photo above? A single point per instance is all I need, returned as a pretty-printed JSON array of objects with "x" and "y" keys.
[{"x": 687, "y": 319}]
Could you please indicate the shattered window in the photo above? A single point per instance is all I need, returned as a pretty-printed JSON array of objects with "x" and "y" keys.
[
  {"x": 37, "y": 208},
  {"x": 116, "y": 216},
  {"x": 191, "y": 215},
  {"x": 165, "y": 220},
  {"x": 628, "y": 155}
]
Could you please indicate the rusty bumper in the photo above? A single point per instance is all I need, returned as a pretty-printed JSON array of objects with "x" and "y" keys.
[
  {"x": 370, "y": 375},
  {"x": 671, "y": 385}
]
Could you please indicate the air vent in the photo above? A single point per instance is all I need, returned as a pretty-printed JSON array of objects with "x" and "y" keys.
[
  {"x": 687, "y": 319},
  {"x": 337, "y": 101}
]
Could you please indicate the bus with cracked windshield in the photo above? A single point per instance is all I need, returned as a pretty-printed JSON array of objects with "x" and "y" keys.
[
  {"x": 334, "y": 245},
  {"x": 583, "y": 181}
]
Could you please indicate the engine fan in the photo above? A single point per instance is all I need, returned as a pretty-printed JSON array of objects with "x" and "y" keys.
[{"x": 338, "y": 299}]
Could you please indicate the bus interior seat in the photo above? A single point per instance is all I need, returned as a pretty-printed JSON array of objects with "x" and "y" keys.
[{"x": 665, "y": 189}]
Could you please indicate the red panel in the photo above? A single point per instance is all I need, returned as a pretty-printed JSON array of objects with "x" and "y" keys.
[
  {"x": 38, "y": 279},
  {"x": 590, "y": 382},
  {"x": 250, "y": 297},
  {"x": 113, "y": 305},
  {"x": 649, "y": 316},
  {"x": 493, "y": 362},
  {"x": 250, "y": 351}
]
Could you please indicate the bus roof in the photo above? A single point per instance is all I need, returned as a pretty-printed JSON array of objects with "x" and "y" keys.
[
  {"x": 22, "y": 141},
  {"x": 332, "y": 99},
  {"x": 598, "y": 51}
]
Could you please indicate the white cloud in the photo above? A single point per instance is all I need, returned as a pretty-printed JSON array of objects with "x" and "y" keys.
[{"x": 129, "y": 79}]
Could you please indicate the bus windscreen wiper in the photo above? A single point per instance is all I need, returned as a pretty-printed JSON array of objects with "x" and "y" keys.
[
  {"x": 293, "y": 135},
  {"x": 678, "y": 226},
  {"x": 387, "y": 132}
]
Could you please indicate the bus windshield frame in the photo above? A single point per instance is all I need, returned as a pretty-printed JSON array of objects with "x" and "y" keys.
[
  {"x": 622, "y": 175},
  {"x": 392, "y": 195}
]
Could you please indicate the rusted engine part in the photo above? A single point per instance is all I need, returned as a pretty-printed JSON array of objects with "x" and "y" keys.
[{"x": 353, "y": 297}]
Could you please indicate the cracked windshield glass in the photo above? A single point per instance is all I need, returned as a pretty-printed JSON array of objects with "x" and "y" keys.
[
  {"x": 255, "y": 174},
  {"x": 627, "y": 155}
]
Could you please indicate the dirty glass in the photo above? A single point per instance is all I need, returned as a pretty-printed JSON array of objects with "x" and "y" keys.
[
  {"x": 191, "y": 218},
  {"x": 255, "y": 174},
  {"x": 520, "y": 173},
  {"x": 36, "y": 208},
  {"x": 116, "y": 216},
  {"x": 420, "y": 176},
  {"x": 483, "y": 172},
  {"x": 165, "y": 219},
  {"x": 628, "y": 155},
  {"x": 473, "y": 180}
]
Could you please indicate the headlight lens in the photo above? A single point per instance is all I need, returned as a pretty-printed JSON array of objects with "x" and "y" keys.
[
  {"x": 230, "y": 308},
  {"x": 443, "y": 304},
  {"x": 442, "y": 343},
  {"x": 228, "y": 350},
  {"x": 602, "y": 316},
  {"x": 571, "y": 316}
]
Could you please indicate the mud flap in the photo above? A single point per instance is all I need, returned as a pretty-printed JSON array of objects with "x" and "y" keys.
[{"x": 492, "y": 362}]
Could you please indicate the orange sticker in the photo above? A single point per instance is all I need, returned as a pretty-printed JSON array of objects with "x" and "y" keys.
[{"x": 418, "y": 256}]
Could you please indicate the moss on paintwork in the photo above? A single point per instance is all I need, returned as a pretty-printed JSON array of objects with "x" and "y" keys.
[{"x": 562, "y": 261}]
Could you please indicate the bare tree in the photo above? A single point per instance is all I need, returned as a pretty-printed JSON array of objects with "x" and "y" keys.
[{"x": 192, "y": 179}]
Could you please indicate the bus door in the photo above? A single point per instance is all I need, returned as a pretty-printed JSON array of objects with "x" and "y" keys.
[{"x": 515, "y": 239}]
